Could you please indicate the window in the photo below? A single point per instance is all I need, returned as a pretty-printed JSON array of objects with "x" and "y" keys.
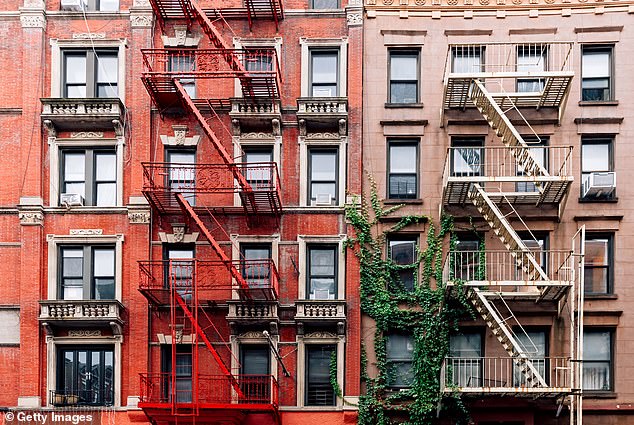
[
  {"x": 324, "y": 4},
  {"x": 183, "y": 375},
  {"x": 399, "y": 355},
  {"x": 90, "y": 73},
  {"x": 403, "y": 169},
  {"x": 322, "y": 272},
  {"x": 182, "y": 173},
  {"x": 87, "y": 272},
  {"x": 596, "y": 168},
  {"x": 10, "y": 329},
  {"x": 596, "y": 73},
  {"x": 537, "y": 243},
  {"x": 531, "y": 58},
  {"x": 92, "y": 174},
  {"x": 404, "y": 71},
  {"x": 467, "y": 59},
  {"x": 256, "y": 267},
  {"x": 184, "y": 61},
  {"x": 85, "y": 376},
  {"x": 100, "y": 5},
  {"x": 467, "y": 156},
  {"x": 402, "y": 251},
  {"x": 323, "y": 172},
  {"x": 467, "y": 258},
  {"x": 259, "y": 173},
  {"x": 254, "y": 371},
  {"x": 319, "y": 391},
  {"x": 597, "y": 360},
  {"x": 324, "y": 65},
  {"x": 466, "y": 352},
  {"x": 534, "y": 345},
  {"x": 538, "y": 149},
  {"x": 179, "y": 268},
  {"x": 598, "y": 263}
]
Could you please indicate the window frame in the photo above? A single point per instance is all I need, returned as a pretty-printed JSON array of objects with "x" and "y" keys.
[
  {"x": 468, "y": 142},
  {"x": 325, "y": 149},
  {"x": 166, "y": 368},
  {"x": 171, "y": 150},
  {"x": 546, "y": 372},
  {"x": 88, "y": 270},
  {"x": 607, "y": 48},
  {"x": 90, "y": 173},
  {"x": 544, "y": 55},
  {"x": 610, "y": 236},
  {"x": 597, "y": 139},
  {"x": 97, "y": 348},
  {"x": 475, "y": 331},
  {"x": 400, "y": 237},
  {"x": 308, "y": 348},
  {"x": 335, "y": 276},
  {"x": 481, "y": 56},
  {"x": 324, "y": 51},
  {"x": 611, "y": 361},
  {"x": 91, "y": 56},
  {"x": 403, "y": 142},
  {"x": 400, "y": 360},
  {"x": 541, "y": 142},
  {"x": 311, "y": 5},
  {"x": 403, "y": 52}
]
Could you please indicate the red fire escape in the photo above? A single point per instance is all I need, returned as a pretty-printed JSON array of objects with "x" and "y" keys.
[{"x": 200, "y": 192}]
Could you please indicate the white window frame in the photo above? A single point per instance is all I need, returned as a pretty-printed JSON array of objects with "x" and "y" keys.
[
  {"x": 340, "y": 44},
  {"x": 250, "y": 338},
  {"x": 304, "y": 241},
  {"x": 319, "y": 338},
  {"x": 257, "y": 43},
  {"x": 52, "y": 344},
  {"x": 56, "y": 145},
  {"x": 237, "y": 240},
  {"x": 55, "y": 241},
  {"x": 57, "y": 46},
  {"x": 274, "y": 142},
  {"x": 306, "y": 143}
]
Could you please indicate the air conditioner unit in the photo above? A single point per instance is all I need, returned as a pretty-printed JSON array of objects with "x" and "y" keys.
[
  {"x": 74, "y": 5},
  {"x": 72, "y": 200},
  {"x": 323, "y": 199},
  {"x": 599, "y": 184}
]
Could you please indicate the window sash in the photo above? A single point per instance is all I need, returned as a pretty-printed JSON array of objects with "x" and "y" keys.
[
  {"x": 598, "y": 361},
  {"x": 96, "y": 78},
  {"x": 324, "y": 73},
  {"x": 403, "y": 168},
  {"x": 596, "y": 73},
  {"x": 398, "y": 254},
  {"x": 97, "y": 280},
  {"x": 598, "y": 275},
  {"x": 319, "y": 391},
  {"x": 404, "y": 71},
  {"x": 322, "y": 278},
  {"x": 98, "y": 185},
  {"x": 327, "y": 179}
]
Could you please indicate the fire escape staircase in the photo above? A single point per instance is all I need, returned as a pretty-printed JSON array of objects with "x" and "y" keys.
[{"x": 482, "y": 300}]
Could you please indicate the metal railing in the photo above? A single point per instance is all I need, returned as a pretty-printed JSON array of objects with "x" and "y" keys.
[
  {"x": 520, "y": 59},
  {"x": 213, "y": 389},
  {"x": 502, "y": 374},
  {"x": 205, "y": 277},
  {"x": 507, "y": 267},
  {"x": 78, "y": 397},
  {"x": 482, "y": 164}
]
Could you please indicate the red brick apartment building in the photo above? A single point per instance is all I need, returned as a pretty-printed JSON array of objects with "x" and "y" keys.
[
  {"x": 172, "y": 220},
  {"x": 515, "y": 118}
]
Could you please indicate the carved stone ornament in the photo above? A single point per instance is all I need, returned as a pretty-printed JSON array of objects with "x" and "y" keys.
[
  {"x": 141, "y": 3},
  {"x": 34, "y": 20},
  {"x": 251, "y": 335},
  {"x": 86, "y": 232},
  {"x": 321, "y": 335},
  {"x": 354, "y": 19},
  {"x": 257, "y": 136},
  {"x": 179, "y": 233},
  {"x": 141, "y": 20},
  {"x": 354, "y": 3},
  {"x": 89, "y": 36},
  {"x": 31, "y": 218},
  {"x": 180, "y": 33},
  {"x": 277, "y": 130},
  {"x": 139, "y": 217},
  {"x": 86, "y": 135},
  {"x": 180, "y": 134},
  {"x": 84, "y": 333}
]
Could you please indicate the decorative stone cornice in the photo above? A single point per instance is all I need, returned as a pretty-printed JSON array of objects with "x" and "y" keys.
[
  {"x": 141, "y": 18},
  {"x": 139, "y": 217},
  {"x": 406, "y": 7},
  {"x": 31, "y": 218},
  {"x": 85, "y": 232},
  {"x": 32, "y": 18},
  {"x": 180, "y": 137}
]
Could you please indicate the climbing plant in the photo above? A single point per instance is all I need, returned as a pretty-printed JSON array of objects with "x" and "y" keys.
[{"x": 426, "y": 312}]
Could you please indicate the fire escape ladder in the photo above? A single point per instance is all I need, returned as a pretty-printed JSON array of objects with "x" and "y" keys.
[
  {"x": 500, "y": 329},
  {"x": 203, "y": 336},
  {"x": 235, "y": 273},
  {"x": 503, "y": 230},
  {"x": 511, "y": 138}
]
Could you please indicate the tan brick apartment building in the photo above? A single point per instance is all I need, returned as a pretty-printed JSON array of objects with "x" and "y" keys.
[
  {"x": 545, "y": 153},
  {"x": 172, "y": 219}
]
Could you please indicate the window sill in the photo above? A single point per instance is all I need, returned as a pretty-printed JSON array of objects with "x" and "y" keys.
[
  {"x": 591, "y": 297},
  {"x": 599, "y": 394},
  {"x": 613, "y": 200},
  {"x": 417, "y": 201},
  {"x": 598, "y": 103},
  {"x": 403, "y": 105}
]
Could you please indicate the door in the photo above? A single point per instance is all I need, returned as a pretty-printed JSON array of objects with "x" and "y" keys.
[
  {"x": 85, "y": 376},
  {"x": 179, "y": 270},
  {"x": 255, "y": 369}
]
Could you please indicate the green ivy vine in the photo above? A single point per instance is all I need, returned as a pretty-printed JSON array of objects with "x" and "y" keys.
[{"x": 426, "y": 312}]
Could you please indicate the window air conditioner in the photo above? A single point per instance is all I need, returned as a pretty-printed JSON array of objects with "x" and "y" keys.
[
  {"x": 75, "y": 5},
  {"x": 323, "y": 199},
  {"x": 72, "y": 200},
  {"x": 599, "y": 184}
]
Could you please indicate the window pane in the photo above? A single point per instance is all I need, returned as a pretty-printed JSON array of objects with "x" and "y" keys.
[
  {"x": 322, "y": 289},
  {"x": 400, "y": 347},
  {"x": 402, "y": 252},
  {"x": 403, "y": 158},
  {"x": 73, "y": 261},
  {"x": 108, "y": 5},
  {"x": 467, "y": 161},
  {"x": 595, "y": 64},
  {"x": 255, "y": 360},
  {"x": 325, "y": 4},
  {"x": 403, "y": 92},
  {"x": 531, "y": 59},
  {"x": 466, "y": 60},
  {"x": 76, "y": 91},
  {"x": 76, "y": 69},
  {"x": 324, "y": 67},
  {"x": 322, "y": 262},
  {"x": 595, "y": 157},
  {"x": 466, "y": 345},
  {"x": 596, "y": 252},
  {"x": 104, "y": 261},
  {"x": 319, "y": 391},
  {"x": 533, "y": 343},
  {"x": 106, "y": 194},
  {"x": 104, "y": 289},
  {"x": 106, "y": 166},
  {"x": 403, "y": 66},
  {"x": 596, "y": 345},
  {"x": 74, "y": 167},
  {"x": 107, "y": 68},
  {"x": 323, "y": 166}
]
